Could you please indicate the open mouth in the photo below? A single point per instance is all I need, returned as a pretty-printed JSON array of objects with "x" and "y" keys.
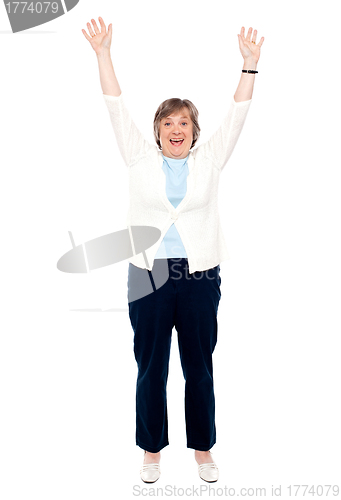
[{"x": 176, "y": 142}]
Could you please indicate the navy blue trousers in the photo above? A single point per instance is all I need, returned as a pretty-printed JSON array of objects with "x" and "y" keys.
[{"x": 188, "y": 302}]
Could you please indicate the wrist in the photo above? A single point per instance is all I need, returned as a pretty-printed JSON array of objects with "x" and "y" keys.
[
  {"x": 104, "y": 54},
  {"x": 250, "y": 63}
]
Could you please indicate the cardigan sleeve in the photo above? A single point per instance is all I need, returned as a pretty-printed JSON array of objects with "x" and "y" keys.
[
  {"x": 130, "y": 140},
  {"x": 221, "y": 144}
]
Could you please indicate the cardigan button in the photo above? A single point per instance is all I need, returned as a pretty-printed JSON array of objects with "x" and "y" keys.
[{"x": 174, "y": 216}]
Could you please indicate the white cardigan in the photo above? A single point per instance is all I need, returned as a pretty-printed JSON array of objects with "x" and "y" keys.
[{"x": 196, "y": 218}]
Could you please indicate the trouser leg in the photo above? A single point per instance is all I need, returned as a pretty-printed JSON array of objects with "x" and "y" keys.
[
  {"x": 196, "y": 323},
  {"x": 152, "y": 319}
]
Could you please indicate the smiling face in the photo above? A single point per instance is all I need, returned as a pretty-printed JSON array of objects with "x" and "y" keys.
[{"x": 176, "y": 134}]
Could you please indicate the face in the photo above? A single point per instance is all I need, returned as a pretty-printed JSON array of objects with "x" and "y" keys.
[{"x": 176, "y": 134}]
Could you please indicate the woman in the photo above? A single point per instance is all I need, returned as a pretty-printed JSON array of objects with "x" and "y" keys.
[{"x": 191, "y": 246}]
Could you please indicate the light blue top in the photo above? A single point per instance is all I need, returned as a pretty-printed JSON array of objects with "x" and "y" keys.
[{"x": 176, "y": 186}]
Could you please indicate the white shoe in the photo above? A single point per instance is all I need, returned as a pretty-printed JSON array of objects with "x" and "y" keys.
[
  {"x": 150, "y": 473},
  {"x": 208, "y": 472}
]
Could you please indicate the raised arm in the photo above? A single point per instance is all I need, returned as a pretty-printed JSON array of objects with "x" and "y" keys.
[
  {"x": 251, "y": 53},
  {"x": 130, "y": 141},
  {"x": 221, "y": 144},
  {"x": 100, "y": 41}
]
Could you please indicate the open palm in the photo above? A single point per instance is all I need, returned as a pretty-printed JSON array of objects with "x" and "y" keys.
[
  {"x": 99, "y": 40},
  {"x": 248, "y": 46}
]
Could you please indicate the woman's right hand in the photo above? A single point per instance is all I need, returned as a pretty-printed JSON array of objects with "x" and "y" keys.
[{"x": 99, "y": 40}]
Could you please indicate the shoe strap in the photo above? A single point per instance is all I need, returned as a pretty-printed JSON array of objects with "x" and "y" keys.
[
  {"x": 150, "y": 466},
  {"x": 202, "y": 467}
]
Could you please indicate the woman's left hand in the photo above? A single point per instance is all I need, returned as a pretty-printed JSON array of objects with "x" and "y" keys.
[{"x": 248, "y": 46}]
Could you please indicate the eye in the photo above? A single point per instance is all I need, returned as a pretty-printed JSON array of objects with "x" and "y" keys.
[
  {"x": 184, "y": 123},
  {"x": 167, "y": 123}
]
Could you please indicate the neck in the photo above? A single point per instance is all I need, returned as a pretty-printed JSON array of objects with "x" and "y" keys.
[{"x": 174, "y": 158}]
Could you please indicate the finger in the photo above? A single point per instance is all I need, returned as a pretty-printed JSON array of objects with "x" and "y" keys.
[
  {"x": 248, "y": 36},
  {"x": 254, "y": 36},
  {"x": 242, "y": 31},
  {"x": 97, "y": 31},
  {"x": 261, "y": 42},
  {"x": 86, "y": 35},
  {"x": 90, "y": 29},
  {"x": 110, "y": 31},
  {"x": 101, "y": 22}
]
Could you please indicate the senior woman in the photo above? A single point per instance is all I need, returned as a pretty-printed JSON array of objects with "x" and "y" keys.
[{"x": 175, "y": 189}]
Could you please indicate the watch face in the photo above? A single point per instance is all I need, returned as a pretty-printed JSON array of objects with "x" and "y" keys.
[{"x": 25, "y": 15}]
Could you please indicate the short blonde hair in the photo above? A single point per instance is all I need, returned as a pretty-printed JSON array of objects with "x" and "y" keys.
[{"x": 171, "y": 106}]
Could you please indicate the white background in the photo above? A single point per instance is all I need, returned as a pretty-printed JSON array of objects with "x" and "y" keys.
[{"x": 67, "y": 418}]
